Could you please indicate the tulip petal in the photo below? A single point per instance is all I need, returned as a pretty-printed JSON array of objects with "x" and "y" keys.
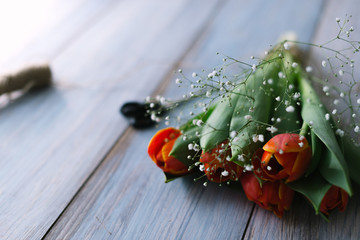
[
  {"x": 301, "y": 164},
  {"x": 287, "y": 142},
  {"x": 158, "y": 140},
  {"x": 286, "y": 160}
]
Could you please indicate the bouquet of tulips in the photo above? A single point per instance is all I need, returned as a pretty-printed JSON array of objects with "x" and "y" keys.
[{"x": 266, "y": 129}]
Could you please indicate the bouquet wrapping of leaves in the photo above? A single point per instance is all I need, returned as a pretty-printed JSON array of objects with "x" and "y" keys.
[{"x": 266, "y": 129}]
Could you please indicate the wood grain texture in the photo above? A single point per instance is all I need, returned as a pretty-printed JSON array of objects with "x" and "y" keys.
[
  {"x": 51, "y": 141},
  {"x": 301, "y": 223},
  {"x": 125, "y": 197}
]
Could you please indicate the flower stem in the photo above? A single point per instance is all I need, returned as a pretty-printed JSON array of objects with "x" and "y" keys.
[{"x": 304, "y": 129}]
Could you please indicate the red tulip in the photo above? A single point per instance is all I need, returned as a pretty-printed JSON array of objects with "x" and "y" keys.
[
  {"x": 217, "y": 167},
  {"x": 159, "y": 148},
  {"x": 273, "y": 196},
  {"x": 334, "y": 198},
  {"x": 286, "y": 156}
]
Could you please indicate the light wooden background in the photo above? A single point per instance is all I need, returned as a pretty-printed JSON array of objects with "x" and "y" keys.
[{"x": 71, "y": 168}]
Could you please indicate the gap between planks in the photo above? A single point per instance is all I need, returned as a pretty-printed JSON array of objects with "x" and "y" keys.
[{"x": 129, "y": 132}]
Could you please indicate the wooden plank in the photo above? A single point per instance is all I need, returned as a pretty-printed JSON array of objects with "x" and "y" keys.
[
  {"x": 39, "y": 29},
  {"x": 300, "y": 222},
  {"x": 126, "y": 199},
  {"x": 52, "y": 140}
]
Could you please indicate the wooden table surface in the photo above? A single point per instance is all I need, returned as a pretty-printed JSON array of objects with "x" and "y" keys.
[{"x": 71, "y": 168}]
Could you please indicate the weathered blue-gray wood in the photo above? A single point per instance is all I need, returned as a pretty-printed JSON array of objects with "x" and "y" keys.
[
  {"x": 51, "y": 141},
  {"x": 126, "y": 197}
]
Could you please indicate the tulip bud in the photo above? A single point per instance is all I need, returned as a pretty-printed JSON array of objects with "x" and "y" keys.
[
  {"x": 273, "y": 196},
  {"x": 159, "y": 148},
  {"x": 334, "y": 198},
  {"x": 286, "y": 156},
  {"x": 217, "y": 166}
]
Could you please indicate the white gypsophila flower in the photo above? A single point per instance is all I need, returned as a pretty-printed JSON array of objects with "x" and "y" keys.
[
  {"x": 255, "y": 138},
  {"x": 358, "y": 101},
  {"x": 281, "y": 151},
  {"x": 228, "y": 158},
  {"x": 290, "y": 109},
  {"x": 190, "y": 146},
  {"x": 277, "y": 98},
  {"x": 205, "y": 184},
  {"x": 178, "y": 81},
  {"x": 281, "y": 75},
  {"x": 254, "y": 67},
  {"x": 327, "y": 116},
  {"x": 294, "y": 64},
  {"x": 337, "y": 19},
  {"x": 336, "y": 101},
  {"x": 201, "y": 167},
  {"x": 301, "y": 144},
  {"x": 278, "y": 119},
  {"x": 291, "y": 86},
  {"x": 194, "y": 74},
  {"x": 270, "y": 81},
  {"x": 179, "y": 70},
  {"x": 342, "y": 94},
  {"x": 208, "y": 93},
  {"x": 272, "y": 129},
  {"x": 225, "y": 173},
  {"x": 261, "y": 138},
  {"x": 233, "y": 134},
  {"x": 308, "y": 69},
  {"x": 196, "y": 147},
  {"x": 340, "y": 132},
  {"x": 184, "y": 138},
  {"x": 334, "y": 111},
  {"x": 241, "y": 158},
  {"x": 248, "y": 167},
  {"x": 212, "y": 74},
  {"x": 248, "y": 117},
  {"x": 199, "y": 123},
  {"x": 323, "y": 63},
  {"x": 297, "y": 95},
  {"x": 357, "y": 129},
  {"x": 341, "y": 72},
  {"x": 268, "y": 168},
  {"x": 326, "y": 88},
  {"x": 286, "y": 46}
]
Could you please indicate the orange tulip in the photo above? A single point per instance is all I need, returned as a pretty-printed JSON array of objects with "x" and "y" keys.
[
  {"x": 273, "y": 196},
  {"x": 334, "y": 198},
  {"x": 286, "y": 156},
  {"x": 217, "y": 168},
  {"x": 159, "y": 148}
]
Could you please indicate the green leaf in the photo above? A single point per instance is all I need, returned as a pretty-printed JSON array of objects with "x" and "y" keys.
[
  {"x": 251, "y": 97},
  {"x": 352, "y": 156},
  {"x": 314, "y": 187},
  {"x": 316, "y": 149},
  {"x": 216, "y": 128},
  {"x": 314, "y": 115},
  {"x": 180, "y": 149}
]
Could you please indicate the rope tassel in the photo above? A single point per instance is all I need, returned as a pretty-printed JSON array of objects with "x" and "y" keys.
[{"x": 34, "y": 76}]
